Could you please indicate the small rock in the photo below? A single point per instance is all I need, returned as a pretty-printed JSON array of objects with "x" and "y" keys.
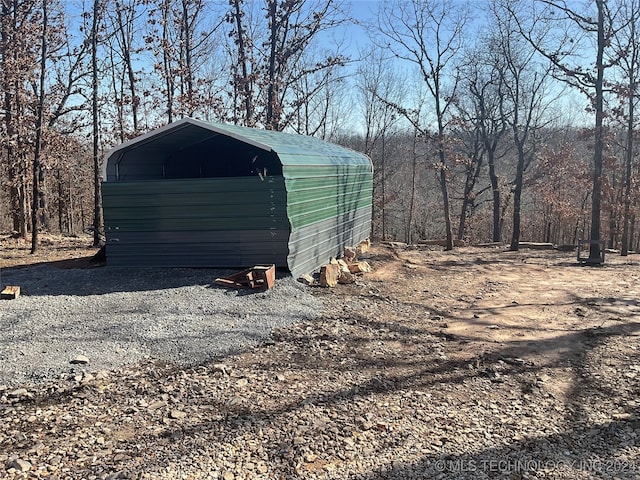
[
  {"x": 350, "y": 254},
  {"x": 307, "y": 279},
  {"x": 228, "y": 476},
  {"x": 360, "y": 267},
  {"x": 220, "y": 368},
  {"x": 242, "y": 382},
  {"x": 18, "y": 464},
  {"x": 177, "y": 414},
  {"x": 79, "y": 360},
  {"x": 346, "y": 277},
  {"x": 157, "y": 405},
  {"x": 329, "y": 275},
  {"x": 363, "y": 247},
  {"x": 20, "y": 392}
]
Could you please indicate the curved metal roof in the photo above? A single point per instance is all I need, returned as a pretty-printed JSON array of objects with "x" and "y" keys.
[{"x": 292, "y": 149}]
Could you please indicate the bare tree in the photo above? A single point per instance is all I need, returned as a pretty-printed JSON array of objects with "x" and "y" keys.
[
  {"x": 484, "y": 84},
  {"x": 38, "y": 172},
  {"x": 244, "y": 76},
  {"x": 524, "y": 83},
  {"x": 183, "y": 38},
  {"x": 278, "y": 74},
  {"x": 626, "y": 43},
  {"x": 578, "y": 30},
  {"x": 429, "y": 35},
  {"x": 379, "y": 90},
  {"x": 123, "y": 22},
  {"x": 98, "y": 220},
  {"x": 18, "y": 35}
]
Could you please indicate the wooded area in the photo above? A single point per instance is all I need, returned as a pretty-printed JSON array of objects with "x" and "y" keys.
[{"x": 487, "y": 121}]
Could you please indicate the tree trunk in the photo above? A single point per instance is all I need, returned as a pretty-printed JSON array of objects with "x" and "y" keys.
[
  {"x": 38, "y": 172},
  {"x": 384, "y": 199},
  {"x": 244, "y": 83},
  {"x": 272, "y": 116},
  {"x": 626, "y": 241},
  {"x": 495, "y": 191},
  {"x": 98, "y": 221},
  {"x": 447, "y": 208},
  {"x": 594, "y": 237},
  {"x": 517, "y": 197},
  {"x": 166, "y": 58}
]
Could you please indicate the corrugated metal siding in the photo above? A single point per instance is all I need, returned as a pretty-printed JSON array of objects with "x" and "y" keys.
[
  {"x": 322, "y": 203},
  {"x": 213, "y": 222},
  {"x": 312, "y": 246},
  {"x": 328, "y": 208},
  {"x": 329, "y": 195}
]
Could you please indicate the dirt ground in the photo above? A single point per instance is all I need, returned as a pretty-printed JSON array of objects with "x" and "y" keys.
[
  {"x": 475, "y": 363},
  {"x": 63, "y": 251}
]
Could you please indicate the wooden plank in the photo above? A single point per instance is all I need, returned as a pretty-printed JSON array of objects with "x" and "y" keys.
[{"x": 10, "y": 292}]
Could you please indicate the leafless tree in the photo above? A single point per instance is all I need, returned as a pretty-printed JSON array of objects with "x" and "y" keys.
[
  {"x": 277, "y": 72},
  {"x": 123, "y": 22},
  {"x": 429, "y": 35},
  {"x": 98, "y": 220},
  {"x": 379, "y": 89},
  {"x": 17, "y": 36},
  {"x": 484, "y": 84},
  {"x": 38, "y": 171},
  {"x": 626, "y": 44},
  {"x": 575, "y": 32},
  {"x": 525, "y": 85}
]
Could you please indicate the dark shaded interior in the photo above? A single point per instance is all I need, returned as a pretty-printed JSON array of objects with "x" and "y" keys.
[
  {"x": 221, "y": 157},
  {"x": 192, "y": 152}
]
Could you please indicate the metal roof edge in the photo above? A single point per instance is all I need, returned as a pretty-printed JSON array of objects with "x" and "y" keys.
[
  {"x": 232, "y": 131},
  {"x": 174, "y": 126}
]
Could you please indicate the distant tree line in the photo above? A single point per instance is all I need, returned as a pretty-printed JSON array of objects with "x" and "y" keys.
[{"x": 486, "y": 121}]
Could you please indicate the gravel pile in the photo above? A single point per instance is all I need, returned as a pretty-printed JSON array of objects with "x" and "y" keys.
[{"x": 118, "y": 316}]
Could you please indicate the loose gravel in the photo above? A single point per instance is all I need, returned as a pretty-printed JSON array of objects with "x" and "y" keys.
[{"x": 119, "y": 316}]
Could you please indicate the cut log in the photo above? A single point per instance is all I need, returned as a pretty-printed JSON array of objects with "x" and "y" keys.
[
  {"x": 10, "y": 292},
  {"x": 442, "y": 243},
  {"x": 343, "y": 265},
  {"x": 363, "y": 247},
  {"x": 329, "y": 275},
  {"x": 346, "y": 277},
  {"x": 360, "y": 267},
  {"x": 307, "y": 279},
  {"x": 536, "y": 245},
  {"x": 349, "y": 254}
]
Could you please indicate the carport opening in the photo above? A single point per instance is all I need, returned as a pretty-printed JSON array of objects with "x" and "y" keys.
[{"x": 215, "y": 156}]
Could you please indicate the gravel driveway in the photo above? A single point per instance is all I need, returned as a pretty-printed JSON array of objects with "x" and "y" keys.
[{"x": 117, "y": 316}]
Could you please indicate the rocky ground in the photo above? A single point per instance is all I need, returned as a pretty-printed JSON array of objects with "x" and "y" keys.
[{"x": 477, "y": 363}]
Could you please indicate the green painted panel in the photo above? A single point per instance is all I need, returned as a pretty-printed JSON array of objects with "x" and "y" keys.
[
  {"x": 195, "y": 224},
  {"x": 315, "y": 199},
  {"x": 328, "y": 171},
  {"x": 322, "y": 202},
  {"x": 195, "y": 205},
  {"x": 195, "y": 212},
  {"x": 313, "y": 245},
  {"x": 307, "y": 216},
  {"x": 191, "y": 199},
  {"x": 195, "y": 185}
]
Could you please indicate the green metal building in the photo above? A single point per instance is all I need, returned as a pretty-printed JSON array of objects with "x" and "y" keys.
[{"x": 195, "y": 194}]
